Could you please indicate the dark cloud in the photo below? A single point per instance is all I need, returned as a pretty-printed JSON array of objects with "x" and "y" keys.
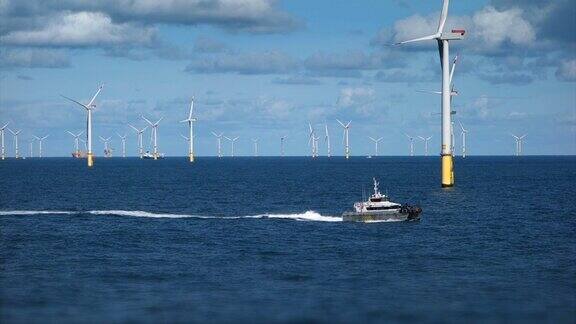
[
  {"x": 24, "y": 77},
  {"x": 33, "y": 58},
  {"x": 254, "y": 16}
]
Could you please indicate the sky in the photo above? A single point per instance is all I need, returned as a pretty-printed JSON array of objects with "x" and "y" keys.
[{"x": 265, "y": 69}]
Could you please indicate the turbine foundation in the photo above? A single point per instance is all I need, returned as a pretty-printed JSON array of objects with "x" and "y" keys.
[{"x": 447, "y": 171}]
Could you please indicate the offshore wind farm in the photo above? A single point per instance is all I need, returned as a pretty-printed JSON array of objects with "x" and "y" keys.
[{"x": 287, "y": 161}]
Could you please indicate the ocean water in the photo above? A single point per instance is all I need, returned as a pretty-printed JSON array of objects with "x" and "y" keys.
[{"x": 259, "y": 240}]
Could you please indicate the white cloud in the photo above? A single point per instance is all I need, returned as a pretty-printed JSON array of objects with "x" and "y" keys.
[
  {"x": 495, "y": 27},
  {"x": 33, "y": 58},
  {"x": 360, "y": 99},
  {"x": 81, "y": 29},
  {"x": 567, "y": 71}
]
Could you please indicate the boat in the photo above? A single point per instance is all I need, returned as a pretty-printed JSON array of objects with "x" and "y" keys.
[
  {"x": 380, "y": 208},
  {"x": 152, "y": 156}
]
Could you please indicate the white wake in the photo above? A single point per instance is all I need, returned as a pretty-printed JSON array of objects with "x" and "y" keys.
[{"x": 306, "y": 216}]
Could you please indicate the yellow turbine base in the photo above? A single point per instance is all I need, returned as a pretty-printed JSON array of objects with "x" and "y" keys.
[
  {"x": 191, "y": 156},
  {"x": 90, "y": 159},
  {"x": 447, "y": 171}
]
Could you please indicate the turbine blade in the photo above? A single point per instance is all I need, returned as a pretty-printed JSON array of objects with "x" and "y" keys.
[
  {"x": 191, "y": 108},
  {"x": 429, "y": 37},
  {"x": 149, "y": 122},
  {"x": 339, "y": 122},
  {"x": 134, "y": 128},
  {"x": 74, "y": 101},
  {"x": 452, "y": 70},
  {"x": 95, "y": 95},
  {"x": 443, "y": 16},
  {"x": 69, "y": 132}
]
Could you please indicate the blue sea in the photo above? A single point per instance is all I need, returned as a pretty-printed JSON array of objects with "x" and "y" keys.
[{"x": 259, "y": 240}]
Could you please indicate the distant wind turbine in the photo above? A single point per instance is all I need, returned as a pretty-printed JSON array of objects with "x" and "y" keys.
[
  {"x": 76, "y": 142},
  {"x": 312, "y": 141},
  {"x": 89, "y": 108},
  {"x": 232, "y": 141},
  {"x": 154, "y": 135},
  {"x": 31, "y": 141},
  {"x": 219, "y": 139},
  {"x": 376, "y": 141},
  {"x": 190, "y": 120},
  {"x": 107, "y": 151},
  {"x": 282, "y": 139},
  {"x": 411, "y": 144},
  {"x": 123, "y": 139},
  {"x": 15, "y": 134},
  {"x": 425, "y": 139},
  {"x": 255, "y": 140},
  {"x": 443, "y": 39},
  {"x": 346, "y": 137},
  {"x": 464, "y": 132},
  {"x": 2, "y": 130},
  {"x": 327, "y": 140},
  {"x": 139, "y": 134},
  {"x": 40, "y": 140}
]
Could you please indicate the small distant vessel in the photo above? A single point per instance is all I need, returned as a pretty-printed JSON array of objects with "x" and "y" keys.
[
  {"x": 152, "y": 156},
  {"x": 380, "y": 208},
  {"x": 369, "y": 156}
]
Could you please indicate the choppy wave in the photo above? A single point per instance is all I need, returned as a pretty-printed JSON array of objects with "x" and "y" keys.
[{"x": 306, "y": 216}]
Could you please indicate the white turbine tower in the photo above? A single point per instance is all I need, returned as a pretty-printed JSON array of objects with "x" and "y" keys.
[
  {"x": 232, "y": 141},
  {"x": 15, "y": 134},
  {"x": 139, "y": 134},
  {"x": 312, "y": 140},
  {"x": 425, "y": 139},
  {"x": 255, "y": 140},
  {"x": 123, "y": 139},
  {"x": 107, "y": 151},
  {"x": 282, "y": 139},
  {"x": 40, "y": 140},
  {"x": 464, "y": 132},
  {"x": 411, "y": 144},
  {"x": 2, "y": 130},
  {"x": 89, "y": 108},
  {"x": 376, "y": 141},
  {"x": 327, "y": 140},
  {"x": 443, "y": 39},
  {"x": 190, "y": 120},
  {"x": 154, "y": 135},
  {"x": 76, "y": 142},
  {"x": 219, "y": 140},
  {"x": 346, "y": 138},
  {"x": 31, "y": 141},
  {"x": 521, "y": 141}
]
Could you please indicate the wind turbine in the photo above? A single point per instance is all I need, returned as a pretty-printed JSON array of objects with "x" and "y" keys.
[
  {"x": 40, "y": 140},
  {"x": 255, "y": 140},
  {"x": 411, "y": 144},
  {"x": 443, "y": 39},
  {"x": 219, "y": 139},
  {"x": 32, "y": 147},
  {"x": 123, "y": 138},
  {"x": 89, "y": 108},
  {"x": 2, "y": 135},
  {"x": 76, "y": 143},
  {"x": 464, "y": 132},
  {"x": 519, "y": 140},
  {"x": 15, "y": 134},
  {"x": 346, "y": 138},
  {"x": 282, "y": 139},
  {"x": 376, "y": 141},
  {"x": 139, "y": 133},
  {"x": 327, "y": 140},
  {"x": 425, "y": 139},
  {"x": 154, "y": 135},
  {"x": 190, "y": 120},
  {"x": 312, "y": 140},
  {"x": 107, "y": 151},
  {"x": 232, "y": 140}
]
